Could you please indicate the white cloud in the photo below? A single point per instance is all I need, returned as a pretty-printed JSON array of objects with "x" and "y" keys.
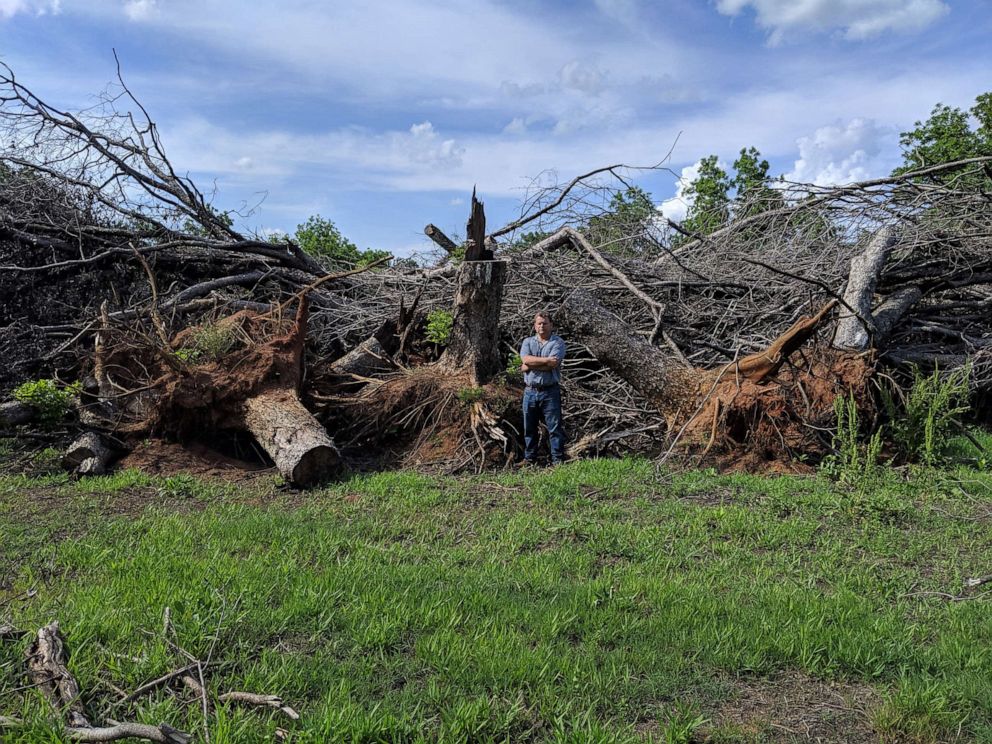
[
  {"x": 517, "y": 126},
  {"x": 139, "y": 10},
  {"x": 10, "y": 8},
  {"x": 841, "y": 153},
  {"x": 858, "y": 19},
  {"x": 624, "y": 11},
  {"x": 576, "y": 75},
  {"x": 677, "y": 207},
  {"x": 426, "y": 146}
]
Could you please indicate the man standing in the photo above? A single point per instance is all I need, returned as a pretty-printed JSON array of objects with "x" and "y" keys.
[{"x": 541, "y": 356}]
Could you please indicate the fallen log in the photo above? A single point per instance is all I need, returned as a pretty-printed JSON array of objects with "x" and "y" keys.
[
  {"x": 297, "y": 443},
  {"x": 16, "y": 413},
  {"x": 743, "y": 403},
  {"x": 366, "y": 359},
  {"x": 163, "y": 733},
  {"x": 670, "y": 387}
]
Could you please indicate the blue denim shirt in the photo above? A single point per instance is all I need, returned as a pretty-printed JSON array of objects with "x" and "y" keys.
[{"x": 553, "y": 347}]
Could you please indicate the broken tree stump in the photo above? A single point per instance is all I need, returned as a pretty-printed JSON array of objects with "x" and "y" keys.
[{"x": 474, "y": 341}]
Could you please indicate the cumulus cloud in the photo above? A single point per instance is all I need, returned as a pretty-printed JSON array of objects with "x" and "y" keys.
[
  {"x": 10, "y": 8},
  {"x": 841, "y": 153},
  {"x": 677, "y": 207},
  {"x": 857, "y": 19},
  {"x": 139, "y": 10},
  {"x": 424, "y": 145}
]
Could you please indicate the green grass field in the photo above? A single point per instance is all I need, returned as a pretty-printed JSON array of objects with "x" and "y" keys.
[{"x": 603, "y": 601}]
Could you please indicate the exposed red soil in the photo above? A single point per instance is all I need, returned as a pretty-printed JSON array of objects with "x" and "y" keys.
[
  {"x": 778, "y": 424},
  {"x": 158, "y": 457}
]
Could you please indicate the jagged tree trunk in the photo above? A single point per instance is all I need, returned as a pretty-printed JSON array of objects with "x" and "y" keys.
[
  {"x": 855, "y": 329},
  {"x": 474, "y": 341}
]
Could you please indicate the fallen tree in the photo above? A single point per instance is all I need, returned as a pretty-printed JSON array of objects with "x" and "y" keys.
[{"x": 677, "y": 338}]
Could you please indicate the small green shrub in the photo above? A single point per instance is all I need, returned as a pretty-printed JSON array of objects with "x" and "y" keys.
[
  {"x": 439, "y": 323},
  {"x": 209, "y": 342},
  {"x": 854, "y": 463},
  {"x": 513, "y": 365},
  {"x": 470, "y": 394},
  {"x": 923, "y": 422},
  {"x": 51, "y": 398}
]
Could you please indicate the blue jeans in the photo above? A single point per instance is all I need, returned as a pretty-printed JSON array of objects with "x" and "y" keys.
[{"x": 546, "y": 403}]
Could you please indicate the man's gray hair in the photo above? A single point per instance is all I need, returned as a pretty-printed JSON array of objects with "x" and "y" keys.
[{"x": 546, "y": 315}]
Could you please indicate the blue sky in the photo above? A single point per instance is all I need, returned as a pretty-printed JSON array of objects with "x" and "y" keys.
[{"x": 383, "y": 115}]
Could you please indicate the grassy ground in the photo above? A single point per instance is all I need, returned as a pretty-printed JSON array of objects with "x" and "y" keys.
[{"x": 604, "y": 601}]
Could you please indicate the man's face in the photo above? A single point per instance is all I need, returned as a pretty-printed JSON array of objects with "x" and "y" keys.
[{"x": 542, "y": 326}]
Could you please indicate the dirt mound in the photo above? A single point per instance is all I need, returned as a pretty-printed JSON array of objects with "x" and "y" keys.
[{"x": 429, "y": 415}]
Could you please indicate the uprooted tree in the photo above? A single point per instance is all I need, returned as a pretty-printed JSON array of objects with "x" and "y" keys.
[{"x": 116, "y": 270}]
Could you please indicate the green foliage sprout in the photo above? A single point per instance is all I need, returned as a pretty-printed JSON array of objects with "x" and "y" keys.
[
  {"x": 209, "y": 342},
  {"x": 49, "y": 397},
  {"x": 922, "y": 424},
  {"x": 854, "y": 463},
  {"x": 439, "y": 324},
  {"x": 470, "y": 395},
  {"x": 513, "y": 365}
]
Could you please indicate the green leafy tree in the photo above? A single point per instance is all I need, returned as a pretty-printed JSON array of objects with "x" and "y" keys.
[
  {"x": 751, "y": 184},
  {"x": 948, "y": 136},
  {"x": 622, "y": 228},
  {"x": 710, "y": 195},
  {"x": 321, "y": 238}
]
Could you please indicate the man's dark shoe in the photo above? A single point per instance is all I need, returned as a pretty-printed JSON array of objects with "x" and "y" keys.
[{"x": 525, "y": 463}]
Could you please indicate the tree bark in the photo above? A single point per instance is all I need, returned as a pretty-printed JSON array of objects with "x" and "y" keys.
[
  {"x": 667, "y": 384},
  {"x": 474, "y": 340},
  {"x": 855, "y": 330},
  {"x": 47, "y": 657},
  {"x": 364, "y": 360},
  {"x": 297, "y": 443}
]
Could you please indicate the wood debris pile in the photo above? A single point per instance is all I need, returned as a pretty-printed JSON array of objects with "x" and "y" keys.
[{"x": 115, "y": 270}]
